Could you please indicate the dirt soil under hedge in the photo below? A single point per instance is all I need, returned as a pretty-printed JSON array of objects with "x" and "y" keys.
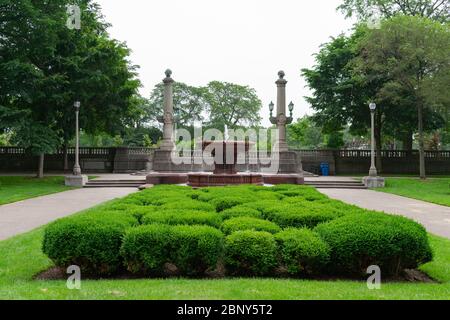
[{"x": 56, "y": 273}]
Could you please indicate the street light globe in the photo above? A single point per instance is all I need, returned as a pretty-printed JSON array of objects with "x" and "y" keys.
[
  {"x": 372, "y": 106},
  {"x": 291, "y": 106},
  {"x": 271, "y": 106},
  {"x": 77, "y": 105}
]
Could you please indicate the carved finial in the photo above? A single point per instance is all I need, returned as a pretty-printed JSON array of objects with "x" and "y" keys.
[
  {"x": 281, "y": 74},
  {"x": 168, "y": 73}
]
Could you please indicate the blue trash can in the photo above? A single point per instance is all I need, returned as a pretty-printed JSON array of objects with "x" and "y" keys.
[{"x": 325, "y": 169}]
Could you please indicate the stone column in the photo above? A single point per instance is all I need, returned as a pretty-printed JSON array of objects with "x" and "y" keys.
[
  {"x": 281, "y": 112},
  {"x": 168, "y": 118}
]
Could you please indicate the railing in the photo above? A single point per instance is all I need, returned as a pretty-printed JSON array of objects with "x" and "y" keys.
[{"x": 367, "y": 153}]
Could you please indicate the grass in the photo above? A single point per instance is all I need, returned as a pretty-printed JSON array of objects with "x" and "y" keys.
[
  {"x": 21, "y": 259},
  {"x": 435, "y": 190},
  {"x": 13, "y": 189}
]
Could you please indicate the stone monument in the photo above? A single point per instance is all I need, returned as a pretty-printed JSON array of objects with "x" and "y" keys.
[
  {"x": 289, "y": 162},
  {"x": 162, "y": 158}
]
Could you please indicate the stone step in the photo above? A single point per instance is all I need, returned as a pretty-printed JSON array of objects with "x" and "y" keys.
[
  {"x": 339, "y": 187},
  {"x": 112, "y": 185},
  {"x": 116, "y": 181}
]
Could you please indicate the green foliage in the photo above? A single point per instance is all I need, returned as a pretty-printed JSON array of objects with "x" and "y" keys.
[
  {"x": 192, "y": 249},
  {"x": 196, "y": 249},
  {"x": 250, "y": 253},
  {"x": 305, "y": 134},
  {"x": 240, "y": 211},
  {"x": 90, "y": 241},
  {"x": 224, "y": 203},
  {"x": 146, "y": 249},
  {"x": 45, "y": 67},
  {"x": 302, "y": 251},
  {"x": 232, "y": 105},
  {"x": 358, "y": 241},
  {"x": 189, "y": 103},
  {"x": 183, "y": 217},
  {"x": 249, "y": 223},
  {"x": 179, "y": 235},
  {"x": 367, "y": 9},
  {"x": 301, "y": 217}
]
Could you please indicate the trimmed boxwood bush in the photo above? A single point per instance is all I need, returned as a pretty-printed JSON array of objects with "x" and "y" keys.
[
  {"x": 90, "y": 241},
  {"x": 302, "y": 251},
  {"x": 183, "y": 217},
  {"x": 192, "y": 249},
  {"x": 302, "y": 219},
  {"x": 250, "y": 253},
  {"x": 224, "y": 203},
  {"x": 146, "y": 249},
  {"x": 248, "y": 223},
  {"x": 240, "y": 211},
  {"x": 358, "y": 241},
  {"x": 196, "y": 248},
  {"x": 188, "y": 204}
]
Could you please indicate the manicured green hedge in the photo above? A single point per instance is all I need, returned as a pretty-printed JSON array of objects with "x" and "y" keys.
[
  {"x": 191, "y": 249},
  {"x": 358, "y": 241},
  {"x": 302, "y": 251},
  {"x": 146, "y": 249},
  {"x": 250, "y": 253},
  {"x": 174, "y": 230},
  {"x": 249, "y": 223},
  {"x": 90, "y": 241},
  {"x": 224, "y": 203},
  {"x": 188, "y": 204},
  {"x": 240, "y": 211},
  {"x": 183, "y": 217}
]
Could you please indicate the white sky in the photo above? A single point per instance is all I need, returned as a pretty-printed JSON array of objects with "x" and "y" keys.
[{"x": 241, "y": 41}]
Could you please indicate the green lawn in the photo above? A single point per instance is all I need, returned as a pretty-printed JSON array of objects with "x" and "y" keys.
[
  {"x": 435, "y": 190},
  {"x": 21, "y": 258},
  {"x": 14, "y": 189}
]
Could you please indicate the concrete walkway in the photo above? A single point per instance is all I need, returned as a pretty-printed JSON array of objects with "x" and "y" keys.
[
  {"x": 435, "y": 218},
  {"x": 24, "y": 216}
]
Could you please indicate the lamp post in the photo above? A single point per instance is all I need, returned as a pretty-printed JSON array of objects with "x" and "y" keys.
[
  {"x": 373, "y": 170},
  {"x": 77, "y": 168},
  {"x": 373, "y": 180},
  {"x": 77, "y": 179}
]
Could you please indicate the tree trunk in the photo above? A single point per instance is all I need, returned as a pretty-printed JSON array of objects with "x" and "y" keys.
[
  {"x": 378, "y": 144},
  {"x": 408, "y": 141},
  {"x": 421, "y": 143},
  {"x": 40, "y": 173},
  {"x": 66, "y": 157}
]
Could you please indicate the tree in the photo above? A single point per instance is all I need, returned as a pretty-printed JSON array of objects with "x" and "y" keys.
[
  {"x": 189, "y": 103},
  {"x": 339, "y": 98},
  {"x": 45, "y": 67},
  {"x": 365, "y": 9},
  {"x": 414, "y": 52},
  {"x": 232, "y": 105},
  {"x": 342, "y": 92},
  {"x": 305, "y": 134}
]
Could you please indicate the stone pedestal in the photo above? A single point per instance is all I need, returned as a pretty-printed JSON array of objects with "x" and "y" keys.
[
  {"x": 374, "y": 182},
  {"x": 76, "y": 181},
  {"x": 163, "y": 162}
]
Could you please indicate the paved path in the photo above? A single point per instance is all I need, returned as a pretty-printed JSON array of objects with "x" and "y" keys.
[
  {"x": 23, "y": 216},
  {"x": 435, "y": 218}
]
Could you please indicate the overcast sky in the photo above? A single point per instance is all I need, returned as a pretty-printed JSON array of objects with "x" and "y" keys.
[{"x": 241, "y": 41}]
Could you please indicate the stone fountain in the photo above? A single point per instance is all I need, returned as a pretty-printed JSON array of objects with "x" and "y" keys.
[
  {"x": 225, "y": 155},
  {"x": 283, "y": 166}
]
